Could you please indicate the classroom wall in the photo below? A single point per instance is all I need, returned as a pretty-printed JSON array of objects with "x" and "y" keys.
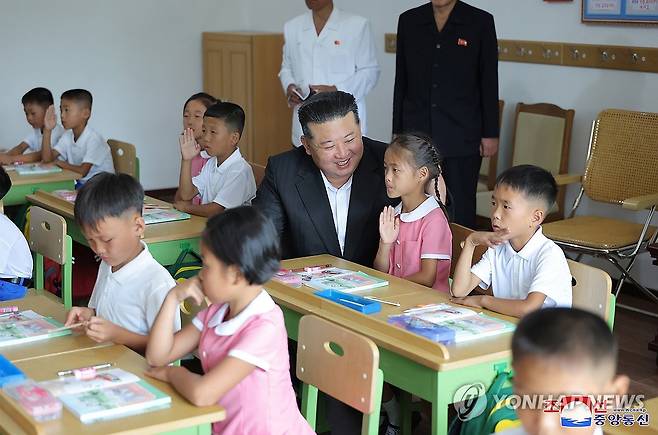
[
  {"x": 140, "y": 59},
  {"x": 585, "y": 90}
]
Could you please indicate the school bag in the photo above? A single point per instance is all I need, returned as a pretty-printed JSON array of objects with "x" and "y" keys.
[
  {"x": 497, "y": 416},
  {"x": 186, "y": 268}
]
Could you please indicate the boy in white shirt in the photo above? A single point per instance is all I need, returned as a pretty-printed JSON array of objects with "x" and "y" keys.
[
  {"x": 131, "y": 285},
  {"x": 526, "y": 270},
  {"x": 80, "y": 149},
  {"x": 15, "y": 255},
  {"x": 226, "y": 179},
  {"x": 35, "y": 103},
  {"x": 559, "y": 352}
]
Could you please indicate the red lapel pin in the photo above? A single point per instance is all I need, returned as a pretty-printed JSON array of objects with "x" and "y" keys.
[
  {"x": 462, "y": 42},
  {"x": 336, "y": 42}
]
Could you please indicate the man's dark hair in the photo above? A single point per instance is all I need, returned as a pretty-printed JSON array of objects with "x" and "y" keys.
[
  {"x": 532, "y": 181},
  {"x": 79, "y": 96},
  {"x": 326, "y": 106},
  {"x": 232, "y": 115},
  {"x": 5, "y": 183},
  {"x": 107, "y": 195},
  {"x": 245, "y": 238},
  {"x": 41, "y": 96},
  {"x": 565, "y": 333},
  {"x": 206, "y": 99}
]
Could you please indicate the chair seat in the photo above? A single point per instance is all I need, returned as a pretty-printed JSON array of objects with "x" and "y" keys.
[{"x": 596, "y": 232}]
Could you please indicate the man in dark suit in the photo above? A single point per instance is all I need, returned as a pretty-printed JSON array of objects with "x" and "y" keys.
[
  {"x": 326, "y": 197},
  {"x": 446, "y": 86}
]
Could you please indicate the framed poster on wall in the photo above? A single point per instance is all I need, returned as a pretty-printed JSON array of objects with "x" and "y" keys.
[{"x": 620, "y": 11}]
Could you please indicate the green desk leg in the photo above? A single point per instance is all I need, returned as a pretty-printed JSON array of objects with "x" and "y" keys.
[
  {"x": 17, "y": 194},
  {"x": 202, "y": 429}
]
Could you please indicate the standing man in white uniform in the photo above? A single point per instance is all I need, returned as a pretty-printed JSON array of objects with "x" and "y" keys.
[{"x": 327, "y": 49}]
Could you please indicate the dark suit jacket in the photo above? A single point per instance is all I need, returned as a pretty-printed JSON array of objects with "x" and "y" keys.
[
  {"x": 446, "y": 83},
  {"x": 294, "y": 196}
]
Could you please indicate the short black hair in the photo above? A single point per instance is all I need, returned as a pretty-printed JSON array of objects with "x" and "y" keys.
[
  {"x": 326, "y": 106},
  {"x": 80, "y": 96},
  {"x": 41, "y": 96},
  {"x": 571, "y": 334},
  {"x": 206, "y": 99},
  {"x": 107, "y": 195},
  {"x": 232, "y": 115},
  {"x": 245, "y": 238},
  {"x": 5, "y": 182},
  {"x": 533, "y": 181}
]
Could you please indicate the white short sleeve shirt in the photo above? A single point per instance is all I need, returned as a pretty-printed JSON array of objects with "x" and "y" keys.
[
  {"x": 132, "y": 296},
  {"x": 230, "y": 184},
  {"x": 90, "y": 147},
  {"x": 35, "y": 138},
  {"x": 15, "y": 255},
  {"x": 539, "y": 267}
]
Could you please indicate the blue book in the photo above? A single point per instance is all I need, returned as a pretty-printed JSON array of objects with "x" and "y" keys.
[{"x": 9, "y": 372}]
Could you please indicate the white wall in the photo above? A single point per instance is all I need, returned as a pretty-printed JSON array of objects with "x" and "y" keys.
[
  {"x": 140, "y": 59},
  {"x": 585, "y": 90}
]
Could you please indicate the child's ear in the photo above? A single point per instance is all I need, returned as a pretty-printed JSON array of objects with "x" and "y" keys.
[
  {"x": 86, "y": 113},
  {"x": 140, "y": 225},
  {"x": 423, "y": 173},
  {"x": 537, "y": 216},
  {"x": 619, "y": 385},
  {"x": 235, "y": 276},
  {"x": 235, "y": 138}
]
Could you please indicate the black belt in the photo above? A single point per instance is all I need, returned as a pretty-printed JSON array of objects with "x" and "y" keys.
[{"x": 18, "y": 281}]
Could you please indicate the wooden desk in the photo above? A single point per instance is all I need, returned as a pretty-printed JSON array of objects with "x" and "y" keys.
[
  {"x": 181, "y": 417},
  {"x": 24, "y": 185},
  {"x": 165, "y": 240},
  {"x": 412, "y": 363},
  {"x": 50, "y": 307}
]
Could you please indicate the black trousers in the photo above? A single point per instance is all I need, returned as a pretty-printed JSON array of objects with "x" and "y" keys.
[{"x": 461, "y": 176}]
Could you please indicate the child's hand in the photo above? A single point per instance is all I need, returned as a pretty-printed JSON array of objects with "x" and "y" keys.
[
  {"x": 181, "y": 205},
  {"x": 470, "y": 301},
  {"x": 488, "y": 238},
  {"x": 101, "y": 330},
  {"x": 189, "y": 148},
  {"x": 389, "y": 225},
  {"x": 190, "y": 288},
  {"x": 50, "y": 120},
  {"x": 159, "y": 373},
  {"x": 78, "y": 314}
]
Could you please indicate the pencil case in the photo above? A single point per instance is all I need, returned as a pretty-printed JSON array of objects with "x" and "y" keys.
[
  {"x": 35, "y": 400},
  {"x": 8, "y": 372},
  {"x": 355, "y": 302},
  {"x": 9, "y": 291}
]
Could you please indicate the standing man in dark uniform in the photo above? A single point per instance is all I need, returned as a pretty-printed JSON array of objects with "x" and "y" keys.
[{"x": 446, "y": 86}]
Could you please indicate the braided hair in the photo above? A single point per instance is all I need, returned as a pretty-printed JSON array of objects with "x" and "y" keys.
[{"x": 424, "y": 154}]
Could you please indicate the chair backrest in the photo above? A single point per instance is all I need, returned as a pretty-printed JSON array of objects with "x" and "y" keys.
[
  {"x": 459, "y": 234},
  {"x": 339, "y": 362},
  {"x": 48, "y": 234},
  {"x": 591, "y": 289},
  {"x": 259, "y": 172},
  {"x": 489, "y": 166},
  {"x": 623, "y": 156},
  {"x": 124, "y": 156}
]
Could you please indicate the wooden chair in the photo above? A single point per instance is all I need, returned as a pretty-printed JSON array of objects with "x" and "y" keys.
[
  {"x": 48, "y": 239},
  {"x": 621, "y": 170},
  {"x": 489, "y": 166},
  {"x": 124, "y": 157},
  {"x": 259, "y": 172},
  {"x": 459, "y": 234},
  {"x": 592, "y": 291},
  {"x": 542, "y": 135},
  {"x": 342, "y": 364}
]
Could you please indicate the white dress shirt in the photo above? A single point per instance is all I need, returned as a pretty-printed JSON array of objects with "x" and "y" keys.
[
  {"x": 35, "y": 138},
  {"x": 339, "y": 200},
  {"x": 89, "y": 148},
  {"x": 230, "y": 184},
  {"x": 342, "y": 55}
]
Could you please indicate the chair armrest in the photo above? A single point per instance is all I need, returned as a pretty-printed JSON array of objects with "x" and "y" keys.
[
  {"x": 641, "y": 202},
  {"x": 564, "y": 179}
]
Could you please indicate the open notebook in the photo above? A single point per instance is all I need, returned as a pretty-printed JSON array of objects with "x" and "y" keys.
[
  {"x": 447, "y": 324},
  {"x": 331, "y": 278},
  {"x": 108, "y": 394},
  {"x": 37, "y": 169}
]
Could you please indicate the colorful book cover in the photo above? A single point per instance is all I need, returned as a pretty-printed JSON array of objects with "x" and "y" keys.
[
  {"x": 37, "y": 169},
  {"x": 323, "y": 273},
  {"x": 67, "y": 195},
  {"x": 103, "y": 379},
  {"x": 19, "y": 316},
  {"x": 118, "y": 401},
  {"x": 27, "y": 330},
  {"x": 352, "y": 282},
  {"x": 158, "y": 215}
]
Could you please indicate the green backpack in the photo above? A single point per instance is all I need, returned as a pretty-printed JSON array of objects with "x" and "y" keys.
[
  {"x": 496, "y": 416},
  {"x": 182, "y": 270}
]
